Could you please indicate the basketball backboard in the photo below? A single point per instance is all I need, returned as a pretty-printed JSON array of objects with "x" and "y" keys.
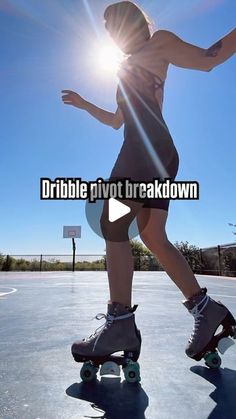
[{"x": 70, "y": 232}]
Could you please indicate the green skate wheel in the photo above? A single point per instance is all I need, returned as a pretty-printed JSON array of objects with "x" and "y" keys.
[
  {"x": 88, "y": 372},
  {"x": 132, "y": 372},
  {"x": 212, "y": 360}
]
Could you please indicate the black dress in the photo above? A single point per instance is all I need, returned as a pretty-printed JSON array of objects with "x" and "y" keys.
[{"x": 148, "y": 150}]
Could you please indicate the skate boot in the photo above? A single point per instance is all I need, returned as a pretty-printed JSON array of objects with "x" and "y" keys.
[
  {"x": 209, "y": 315},
  {"x": 119, "y": 333}
]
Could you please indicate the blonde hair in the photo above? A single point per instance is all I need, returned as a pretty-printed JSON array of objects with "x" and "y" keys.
[{"x": 128, "y": 17}]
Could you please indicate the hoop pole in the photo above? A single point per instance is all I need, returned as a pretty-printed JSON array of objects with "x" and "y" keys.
[{"x": 74, "y": 248}]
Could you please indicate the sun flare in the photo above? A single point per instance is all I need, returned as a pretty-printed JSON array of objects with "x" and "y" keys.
[{"x": 109, "y": 58}]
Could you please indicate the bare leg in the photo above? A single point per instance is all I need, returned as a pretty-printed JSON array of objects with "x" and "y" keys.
[
  {"x": 155, "y": 238},
  {"x": 119, "y": 254},
  {"x": 120, "y": 271}
]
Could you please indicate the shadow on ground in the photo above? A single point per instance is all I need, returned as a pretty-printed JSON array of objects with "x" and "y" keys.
[
  {"x": 224, "y": 395},
  {"x": 112, "y": 398}
]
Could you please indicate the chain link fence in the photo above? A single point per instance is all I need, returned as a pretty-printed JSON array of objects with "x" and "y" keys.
[
  {"x": 218, "y": 260},
  {"x": 87, "y": 262}
]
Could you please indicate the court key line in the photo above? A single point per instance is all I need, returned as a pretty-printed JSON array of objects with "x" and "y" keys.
[{"x": 2, "y": 294}]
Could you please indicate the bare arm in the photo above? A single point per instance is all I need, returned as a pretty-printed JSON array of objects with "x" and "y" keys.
[
  {"x": 115, "y": 120},
  {"x": 186, "y": 55}
]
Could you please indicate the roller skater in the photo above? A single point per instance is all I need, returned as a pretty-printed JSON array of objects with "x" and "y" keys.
[{"x": 148, "y": 152}]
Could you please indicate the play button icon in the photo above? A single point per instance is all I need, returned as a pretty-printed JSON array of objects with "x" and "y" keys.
[
  {"x": 117, "y": 210},
  {"x": 117, "y": 213}
]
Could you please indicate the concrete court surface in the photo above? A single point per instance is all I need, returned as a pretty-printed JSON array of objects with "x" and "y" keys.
[{"x": 41, "y": 314}]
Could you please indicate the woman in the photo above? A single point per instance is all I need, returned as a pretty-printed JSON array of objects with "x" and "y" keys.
[{"x": 148, "y": 151}]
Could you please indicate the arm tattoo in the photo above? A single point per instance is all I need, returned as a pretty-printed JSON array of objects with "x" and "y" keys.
[{"x": 214, "y": 49}]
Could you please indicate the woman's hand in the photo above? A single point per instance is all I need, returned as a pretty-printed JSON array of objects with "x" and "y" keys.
[{"x": 72, "y": 98}]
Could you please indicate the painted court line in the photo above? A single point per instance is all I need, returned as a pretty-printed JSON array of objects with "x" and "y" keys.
[{"x": 2, "y": 294}]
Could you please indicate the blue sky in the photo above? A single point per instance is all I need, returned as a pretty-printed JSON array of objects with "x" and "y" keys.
[{"x": 48, "y": 46}]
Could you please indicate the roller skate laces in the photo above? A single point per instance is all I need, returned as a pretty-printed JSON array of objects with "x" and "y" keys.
[
  {"x": 196, "y": 313},
  {"x": 105, "y": 326}
]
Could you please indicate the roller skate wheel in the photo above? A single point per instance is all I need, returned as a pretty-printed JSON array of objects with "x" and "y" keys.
[
  {"x": 132, "y": 372},
  {"x": 88, "y": 372},
  {"x": 110, "y": 367},
  {"x": 212, "y": 360}
]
